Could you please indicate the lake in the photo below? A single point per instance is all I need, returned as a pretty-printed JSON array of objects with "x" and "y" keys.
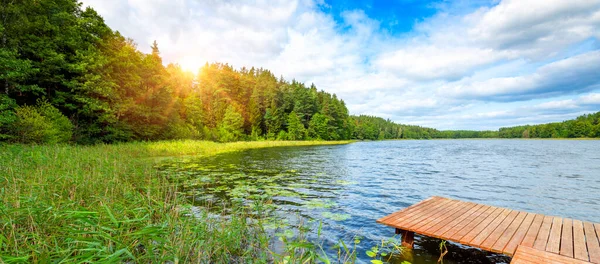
[{"x": 348, "y": 187}]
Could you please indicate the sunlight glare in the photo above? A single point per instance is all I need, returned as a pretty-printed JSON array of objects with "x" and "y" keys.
[{"x": 191, "y": 64}]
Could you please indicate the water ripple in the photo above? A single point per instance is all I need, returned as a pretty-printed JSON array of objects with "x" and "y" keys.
[{"x": 368, "y": 180}]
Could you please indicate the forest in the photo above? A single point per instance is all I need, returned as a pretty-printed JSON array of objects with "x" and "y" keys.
[
  {"x": 585, "y": 126},
  {"x": 66, "y": 77}
]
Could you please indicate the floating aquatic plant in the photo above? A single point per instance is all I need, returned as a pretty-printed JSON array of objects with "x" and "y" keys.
[
  {"x": 336, "y": 217},
  {"x": 344, "y": 182},
  {"x": 318, "y": 203}
]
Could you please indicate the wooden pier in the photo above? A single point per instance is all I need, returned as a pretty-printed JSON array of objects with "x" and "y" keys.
[{"x": 528, "y": 237}]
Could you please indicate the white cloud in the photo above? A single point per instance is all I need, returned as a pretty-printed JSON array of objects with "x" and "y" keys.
[
  {"x": 451, "y": 47},
  {"x": 432, "y": 62},
  {"x": 568, "y": 76},
  {"x": 536, "y": 28},
  {"x": 562, "y": 104},
  {"x": 590, "y": 99},
  {"x": 444, "y": 73}
]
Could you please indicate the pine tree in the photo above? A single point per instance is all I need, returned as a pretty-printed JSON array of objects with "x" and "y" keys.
[
  {"x": 317, "y": 127},
  {"x": 231, "y": 128},
  {"x": 296, "y": 130}
]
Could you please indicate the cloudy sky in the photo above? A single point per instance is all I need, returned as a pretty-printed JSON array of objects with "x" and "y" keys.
[{"x": 443, "y": 64}]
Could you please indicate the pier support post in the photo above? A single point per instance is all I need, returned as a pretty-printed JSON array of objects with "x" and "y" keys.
[{"x": 408, "y": 238}]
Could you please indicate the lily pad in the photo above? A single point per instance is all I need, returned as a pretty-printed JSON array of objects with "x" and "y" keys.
[
  {"x": 336, "y": 217},
  {"x": 317, "y": 203}
]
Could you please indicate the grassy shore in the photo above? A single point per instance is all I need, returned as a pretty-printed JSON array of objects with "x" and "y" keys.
[{"x": 107, "y": 203}]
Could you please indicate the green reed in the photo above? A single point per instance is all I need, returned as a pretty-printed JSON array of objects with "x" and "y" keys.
[{"x": 108, "y": 203}]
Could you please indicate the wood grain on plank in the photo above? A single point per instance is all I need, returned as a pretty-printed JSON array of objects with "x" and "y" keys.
[
  {"x": 579, "y": 247},
  {"x": 542, "y": 238},
  {"x": 480, "y": 225},
  {"x": 401, "y": 222},
  {"x": 519, "y": 235},
  {"x": 530, "y": 255},
  {"x": 407, "y": 211},
  {"x": 489, "y": 242},
  {"x": 508, "y": 234},
  {"x": 427, "y": 215},
  {"x": 457, "y": 220},
  {"x": 470, "y": 223},
  {"x": 385, "y": 219},
  {"x": 434, "y": 227},
  {"x": 566, "y": 240},
  {"x": 486, "y": 228},
  {"x": 460, "y": 222},
  {"x": 554, "y": 238},
  {"x": 437, "y": 214},
  {"x": 443, "y": 218},
  {"x": 532, "y": 233},
  {"x": 592, "y": 242}
]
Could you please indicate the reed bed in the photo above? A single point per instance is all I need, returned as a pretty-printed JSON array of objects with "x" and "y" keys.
[{"x": 108, "y": 203}]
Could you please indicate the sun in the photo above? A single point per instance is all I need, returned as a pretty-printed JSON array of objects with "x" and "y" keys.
[{"x": 191, "y": 63}]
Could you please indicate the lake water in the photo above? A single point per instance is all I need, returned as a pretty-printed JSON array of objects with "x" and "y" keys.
[{"x": 348, "y": 187}]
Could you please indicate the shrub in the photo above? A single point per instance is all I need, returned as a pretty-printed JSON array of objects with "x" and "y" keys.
[
  {"x": 42, "y": 123},
  {"x": 7, "y": 116},
  {"x": 282, "y": 135}
]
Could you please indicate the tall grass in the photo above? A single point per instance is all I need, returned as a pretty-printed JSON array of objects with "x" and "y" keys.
[{"x": 107, "y": 203}]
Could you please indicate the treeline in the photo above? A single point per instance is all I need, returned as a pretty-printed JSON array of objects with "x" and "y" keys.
[
  {"x": 377, "y": 128},
  {"x": 583, "y": 126},
  {"x": 65, "y": 76},
  {"x": 466, "y": 134}
]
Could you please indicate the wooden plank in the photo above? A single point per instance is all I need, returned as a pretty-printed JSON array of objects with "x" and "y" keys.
[
  {"x": 495, "y": 235},
  {"x": 483, "y": 230},
  {"x": 392, "y": 217},
  {"x": 508, "y": 234},
  {"x": 461, "y": 221},
  {"x": 410, "y": 213},
  {"x": 554, "y": 238},
  {"x": 419, "y": 212},
  {"x": 592, "y": 242},
  {"x": 407, "y": 209},
  {"x": 413, "y": 210},
  {"x": 597, "y": 226},
  {"x": 519, "y": 235},
  {"x": 458, "y": 208},
  {"x": 424, "y": 221},
  {"x": 465, "y": 226},
  {"x": 480, "y": 224},
  {"x": 533, "y": 231},
  {"x": 545, "y": 239},
  {"x": 542, "y": 238},
  {"x": 566, "y": 241},
  {"x": 427, "y": 215},
  {"x": 579, "y": 247},
  {"x": 435, "y": 227},
  {"x": 530, "y": 255}
]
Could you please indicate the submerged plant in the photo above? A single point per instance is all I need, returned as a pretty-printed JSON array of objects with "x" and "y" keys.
[
  {"x": 385, "y": 251},
  {"x": 443, "y": 251}
]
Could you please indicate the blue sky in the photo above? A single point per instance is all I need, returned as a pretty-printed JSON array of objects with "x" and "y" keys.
[
  {"x": 396, "y": 17},
  {"x": 442, "y": 64},
  {"x": 399, "y": 16}
]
